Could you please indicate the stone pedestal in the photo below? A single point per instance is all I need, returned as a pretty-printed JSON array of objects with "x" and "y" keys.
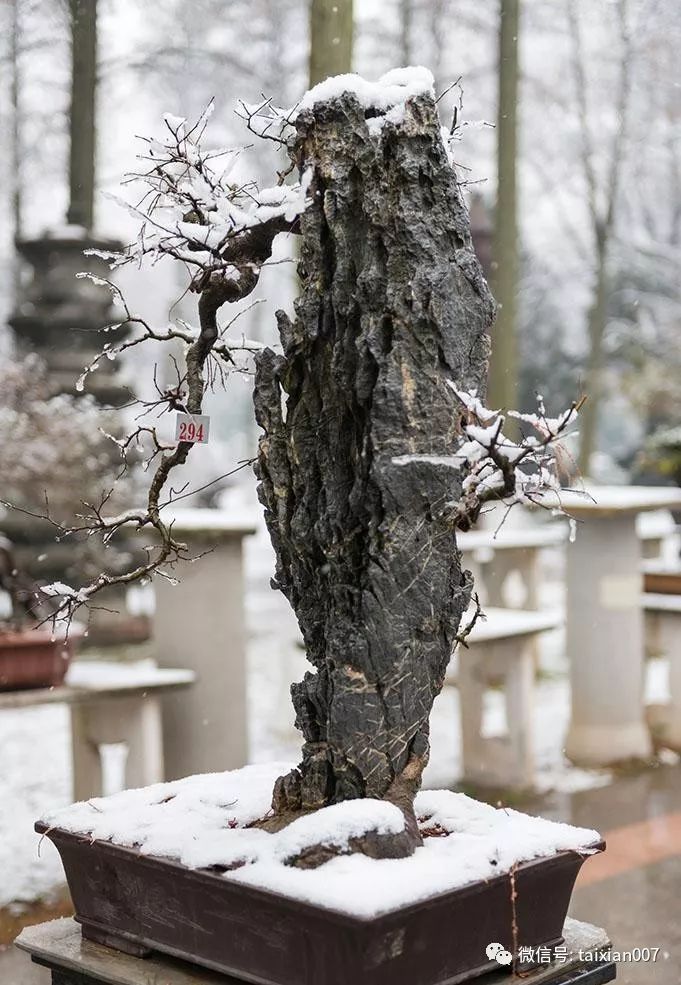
[
  {"x": 58, "y": 314},
  {"x": 199, "y": 624},
  {"x": 605, "y": 620}
]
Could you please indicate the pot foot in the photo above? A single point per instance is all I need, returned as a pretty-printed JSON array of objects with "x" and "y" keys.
[{"x": 100, "y": 935}]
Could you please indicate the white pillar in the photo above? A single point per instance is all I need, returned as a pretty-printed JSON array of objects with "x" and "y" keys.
[
  {"x": 605, "y": 642},
  {"x": 136, "y": 721},
  {"x": 665, "y": 629},
  {"x": 199, "y": 624},
  {"x": 506, "y": 760}
]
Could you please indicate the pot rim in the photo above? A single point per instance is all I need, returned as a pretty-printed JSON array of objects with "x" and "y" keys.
[{"x": 257, "y": 892}]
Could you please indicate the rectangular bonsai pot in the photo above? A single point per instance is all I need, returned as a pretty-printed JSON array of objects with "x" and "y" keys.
[{"x": 141, "y": 904}]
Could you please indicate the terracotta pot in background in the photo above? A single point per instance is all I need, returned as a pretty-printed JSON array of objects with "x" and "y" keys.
[
  {"x": 35, "y": 657},
  {"x": 662, "y": 582},
  {"x": 139, "y": 904}
]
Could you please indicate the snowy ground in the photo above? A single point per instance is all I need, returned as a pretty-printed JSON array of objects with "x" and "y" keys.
[{"x": 35, "y": 763}]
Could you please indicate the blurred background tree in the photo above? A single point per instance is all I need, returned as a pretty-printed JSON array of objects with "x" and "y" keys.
[
  {"x": 503, "y": 378},
  {"x": 588, "y": 98},
  {"x": 331, "y": 34}
]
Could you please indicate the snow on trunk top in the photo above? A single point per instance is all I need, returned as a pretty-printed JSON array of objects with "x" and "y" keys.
[{"x": 392, "y": 89}]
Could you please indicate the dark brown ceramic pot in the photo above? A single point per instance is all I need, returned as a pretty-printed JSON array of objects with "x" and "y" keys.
[{"x": 140, "y": 904}]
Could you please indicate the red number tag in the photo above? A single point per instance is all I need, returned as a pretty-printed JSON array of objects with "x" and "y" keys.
[{"x": 192, "y": 428}]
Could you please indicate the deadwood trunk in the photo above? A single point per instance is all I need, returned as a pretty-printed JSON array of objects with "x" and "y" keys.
[{"x": 393, "y": 305}]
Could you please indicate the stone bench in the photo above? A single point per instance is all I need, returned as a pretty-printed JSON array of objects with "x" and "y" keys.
[
  {"x": 110, "y": 703},
  {"x": 663, "y": 635},
  {"x": 494, "y": 556},
  {"x": 660, "y": 578},
  {"x": 655, "y": 529},
  {"x": 500, "y": 652}
]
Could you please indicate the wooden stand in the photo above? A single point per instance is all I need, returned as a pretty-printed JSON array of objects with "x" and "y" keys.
[{"x": 73, "y": 961}]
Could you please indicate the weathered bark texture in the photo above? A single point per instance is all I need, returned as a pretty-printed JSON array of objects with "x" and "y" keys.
[{"x": 393, "y": 305}]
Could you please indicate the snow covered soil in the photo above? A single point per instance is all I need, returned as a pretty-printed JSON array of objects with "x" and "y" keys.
[{"x": 201, "y": 821}]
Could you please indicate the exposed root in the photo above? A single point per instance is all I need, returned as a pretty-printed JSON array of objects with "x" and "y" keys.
[{"x": 287, "y": 808}]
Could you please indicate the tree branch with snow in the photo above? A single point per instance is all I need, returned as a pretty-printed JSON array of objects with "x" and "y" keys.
[
  {"x": 499, "y": 469},
  {"x": 222, "y": 231}
]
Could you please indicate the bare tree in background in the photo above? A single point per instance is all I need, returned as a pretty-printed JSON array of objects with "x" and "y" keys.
[
  {"x": 82, "y": 117},
  {"x": 19, "y": 14},
  {"x": 503, "y": 382},
  {"x": 603, "y": 191},
  {"x": 406, "y": 29},
  {"x": 331, "y": 37},
  {"x": 32, "y": 80},
  {"x": 646, "y": 295},
  {"x": 15, "y": 88}
]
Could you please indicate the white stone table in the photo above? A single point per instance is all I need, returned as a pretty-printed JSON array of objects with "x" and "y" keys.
[
  {"x": 110, "y": 703},
  {"x": 605, "y": 627}
]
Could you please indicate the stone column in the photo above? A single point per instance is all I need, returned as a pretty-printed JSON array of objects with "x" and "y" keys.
[{"x": 199, "y": 624}]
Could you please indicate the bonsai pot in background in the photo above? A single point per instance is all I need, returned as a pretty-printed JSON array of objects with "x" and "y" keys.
[
  {"x": 35, "y": 650},
  {"x": 35, "y": 657}
]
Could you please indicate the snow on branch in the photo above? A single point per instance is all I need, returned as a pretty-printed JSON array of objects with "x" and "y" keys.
[
  {"x": 500, "y": 469},
  {"x": 495, "y": 467},
  {"x": 221, "y": 229},
  {"x": 193, "y": 210}
]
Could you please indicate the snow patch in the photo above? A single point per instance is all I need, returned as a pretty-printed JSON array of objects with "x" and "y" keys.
[{"x": 337, "y": 825}]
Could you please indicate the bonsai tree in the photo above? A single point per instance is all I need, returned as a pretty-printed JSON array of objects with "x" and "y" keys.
[{"x": 376, "y": 446}]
